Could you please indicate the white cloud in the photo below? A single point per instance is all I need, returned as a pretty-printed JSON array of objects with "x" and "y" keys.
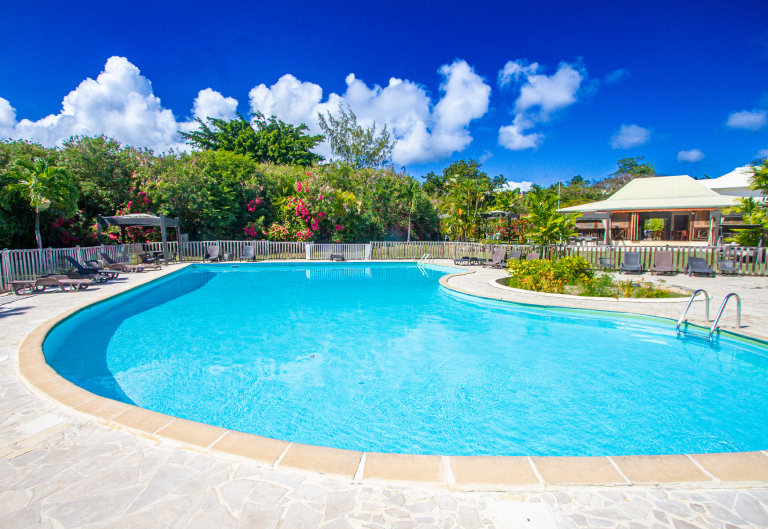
[
  {"x": 487, "y": 155},
  {"x": 630, "y": 136},
  {"x": 748, "y": 119},
  {"x": 7, "y": 118},
  {"x": 513, "y": 138},
  {"x": 694, "y": 155},
  {"x": 119, "y": 103},
  {"x": 540, "y": 96},
  {"x": 616, "y": 76},
  {"x": 762, "y": 153},
  {"x": 424, "y": 133},
  {"x": 522, "y": 186}
]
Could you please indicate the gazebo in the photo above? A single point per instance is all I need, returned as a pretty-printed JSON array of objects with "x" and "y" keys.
[
  {"x": 143, "y": 220},
  {"x": 496, "y": 214}
]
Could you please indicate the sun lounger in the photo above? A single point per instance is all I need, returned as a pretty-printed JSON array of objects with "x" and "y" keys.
[
  {"x": 249, "y": 253},
  {"x": 698, "y": 266},
  {"x": 498, "y": 260},
  {"x": 461, "y": 261},
  {"x": 336, "y": 257},
  {"x": 728, "y": 266},
  {"x": 148, "y": 262},
  {"x": 662, "y": 263},
  {"x": 111, "y": 264},
  {"x": 41, "y": 283},
  {"x": 212, "y": 254},
  {"x": 98, "y": 275},
  {"x": 514, "y": 254},
  {"x": 631, "y": 263},
  {"x": 607, "y": 263},
  {"x": 532, "y": 256}
]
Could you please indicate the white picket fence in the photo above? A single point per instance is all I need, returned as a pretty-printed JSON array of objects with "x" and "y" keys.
[{"x": 31, "y": 264}]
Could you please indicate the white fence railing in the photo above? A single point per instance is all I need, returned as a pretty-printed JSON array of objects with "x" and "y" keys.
[{"x": 30, "y": 264}]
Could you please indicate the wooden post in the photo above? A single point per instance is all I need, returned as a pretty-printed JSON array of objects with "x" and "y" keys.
[
  {"x": 164, "y": 236},
  {"x": 122, "y": 234},
  {"x": 178, "y": 238},
  {"x": 98, "y": 230}
]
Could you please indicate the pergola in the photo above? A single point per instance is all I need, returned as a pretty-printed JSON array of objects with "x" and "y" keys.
[{"x": 143, "y": 220}]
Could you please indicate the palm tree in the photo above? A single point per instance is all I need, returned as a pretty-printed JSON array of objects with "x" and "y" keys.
[
  {"x": 44, "y": 185},
  {"x": 549, "y": 225},
  {"x": 410, "y": 193}
]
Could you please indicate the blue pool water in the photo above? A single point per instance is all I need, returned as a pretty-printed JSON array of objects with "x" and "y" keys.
[{"x": 380, "y": 357}]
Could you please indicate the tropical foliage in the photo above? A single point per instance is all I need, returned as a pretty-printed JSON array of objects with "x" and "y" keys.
[{"x": 353, "y": 144}]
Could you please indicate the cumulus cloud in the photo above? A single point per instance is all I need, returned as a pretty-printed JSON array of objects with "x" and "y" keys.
[
  {"x": 630, "y": 136},
  {"x": 487, "y": 155},
  {"x": 762, "y": 153},
  {"x": 540, "y": 96},
  {"x": 616, "y": 76},
  {"x": 424, "y": 132},
  {"x": 119, "y": 103},
  {"x": 522, "y": 186},
  {"x": 694, "y": 155},
  {"x": 748, "y": 119}
]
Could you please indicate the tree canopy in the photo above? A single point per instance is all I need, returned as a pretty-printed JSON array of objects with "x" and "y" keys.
[
  {"x": 353, "y": 144},
  {"x": 264, "y": 140}
]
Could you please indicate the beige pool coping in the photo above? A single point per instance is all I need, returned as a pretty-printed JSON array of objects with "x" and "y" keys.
[{"x": 467, "y": 473}]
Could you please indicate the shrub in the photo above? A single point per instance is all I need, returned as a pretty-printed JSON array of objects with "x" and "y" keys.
[{"x": 548, "y": 276}]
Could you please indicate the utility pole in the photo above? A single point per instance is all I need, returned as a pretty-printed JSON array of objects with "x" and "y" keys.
[{"x": 558, "y": 194}]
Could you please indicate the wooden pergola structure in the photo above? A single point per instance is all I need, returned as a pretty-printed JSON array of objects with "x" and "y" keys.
[{"x": 142, "y": 220}]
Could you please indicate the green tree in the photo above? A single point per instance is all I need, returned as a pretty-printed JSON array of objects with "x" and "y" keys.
[
  {"x": 410, "y": 192},
  {"x": 354, "y": 144},
  {"x": 752, "y": 213},
  {"x": 271, "y": 141},
  {"x": 548, "y": 225},
  {"x": 43, "y": 184},
  {"x": 759, "y": 179},
  {"x": 627, "y": 170}
]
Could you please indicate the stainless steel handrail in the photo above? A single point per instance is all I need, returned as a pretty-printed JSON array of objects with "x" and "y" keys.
[
  {"x": 688, "y": 306},
  {"x": 720, "y": 313}
]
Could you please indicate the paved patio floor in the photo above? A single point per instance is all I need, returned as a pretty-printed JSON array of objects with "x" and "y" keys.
[{"x": 59, "y": 469}]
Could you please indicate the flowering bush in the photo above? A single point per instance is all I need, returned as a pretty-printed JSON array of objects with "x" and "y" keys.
[
  {"x": 278, "y": 232},
  {"x": 541, "y": 275}
]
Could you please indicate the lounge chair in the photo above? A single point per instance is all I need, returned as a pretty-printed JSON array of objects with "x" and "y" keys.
[
  {"x": 148, "y": 262},
  {"x": 249, "y": 253},
  {"x": 698, "y": 265},
  {"x": 607, "y": 263},
  {"x": 212, "y": 254},
  {"x": 729, "y": 266},
  {"x": 662, "y": 263},
  {"x": 631, "y": 263},
  {"x": 476, "y": 261},
  {"x": 461, "y": 261},
  {"x": 172, "y": 256},
  {"x": 532, "y": 256},
  {"x": 40, "y": 284},
  {"x": 498, "y": 260},
  {"x": 336, "y": 257},
  {"x": 514, "y": 254},
  {"x": 95, "y": 273},
  {"x": 111, "y": 264}
]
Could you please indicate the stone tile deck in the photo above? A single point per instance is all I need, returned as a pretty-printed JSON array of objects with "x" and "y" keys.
[{"x": 59, "y": 468}]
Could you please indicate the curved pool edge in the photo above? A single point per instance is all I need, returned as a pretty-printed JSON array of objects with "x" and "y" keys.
[{"x": 465, "y": 473}]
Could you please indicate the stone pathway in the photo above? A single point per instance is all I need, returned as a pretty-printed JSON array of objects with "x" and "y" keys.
[{"x": 61, "y": 470}]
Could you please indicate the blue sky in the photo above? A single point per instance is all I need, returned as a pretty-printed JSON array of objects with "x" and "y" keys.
[{"x": 538, "y": 92}]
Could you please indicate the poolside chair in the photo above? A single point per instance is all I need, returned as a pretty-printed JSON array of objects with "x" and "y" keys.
[
  {"x": 336, "y": 257},
  {"x": 729, "y": 266},
  {"x": 532, "y": 256},
  {"x": 662, "y": 263},
  {"x": 98, "y": 275},
  {"x": 40, "y": 284},
  {"x": 111, "y": 264},
  {"x": 149, "y": 262},
  {"x": 631, "y": 263},
  {"x": 607, "y": 263},
  {"x": 461, "y": 261},
  {"x": 476, "y": 261},
  {"x": 498, "y": 260},
  {"x": 514, "y": 254},
  {"x": 698, "y": 266},
  {"x": 212, "y": 254},
  {"x": 249, "y": 253}
]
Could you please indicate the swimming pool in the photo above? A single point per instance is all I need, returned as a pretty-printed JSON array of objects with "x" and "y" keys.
[{"x": 381, "y": 358}]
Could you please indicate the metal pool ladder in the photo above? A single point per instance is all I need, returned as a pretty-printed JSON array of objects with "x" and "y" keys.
[
  {"x": 426, "y": 258},
  {"x": 720, "y": 313},
  {"x": 688, "y": 306}
]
